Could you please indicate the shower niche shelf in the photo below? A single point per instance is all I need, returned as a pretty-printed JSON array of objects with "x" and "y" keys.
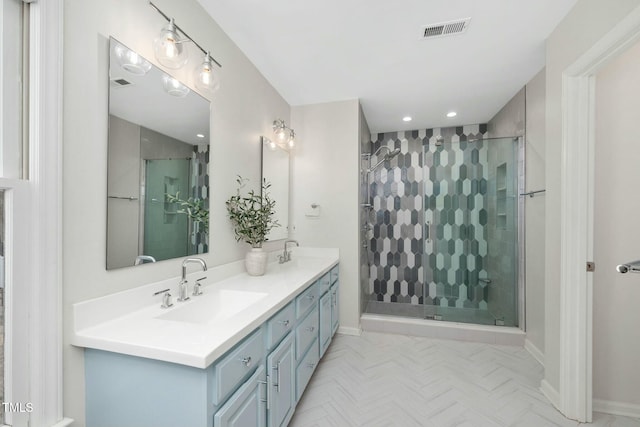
[{"x": 501, "y": 196}]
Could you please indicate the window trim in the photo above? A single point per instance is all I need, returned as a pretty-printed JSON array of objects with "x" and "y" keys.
[{"x": 45, "y": 213}]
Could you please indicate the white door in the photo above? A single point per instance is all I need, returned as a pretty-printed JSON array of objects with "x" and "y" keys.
[{"x": 616, "y": 297}]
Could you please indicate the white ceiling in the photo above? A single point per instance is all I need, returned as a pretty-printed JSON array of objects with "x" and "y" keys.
[{"x": 332, "y": 50}]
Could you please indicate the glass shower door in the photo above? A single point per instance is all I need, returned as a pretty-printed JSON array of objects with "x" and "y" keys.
[
  {"x": 470, "y": 266},
  {"x": 166, "y": 232}
]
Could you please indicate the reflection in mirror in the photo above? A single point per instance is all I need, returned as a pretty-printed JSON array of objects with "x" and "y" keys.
[
  {"x": 275, "y": 169},
  {"x": 158, "y": 159}
]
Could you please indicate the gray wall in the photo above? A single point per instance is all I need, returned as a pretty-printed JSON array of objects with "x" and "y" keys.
[
  {"x": 534, "y": 212},
  {"x": 325, "y": 173},
  {"x": 242, "y": 110},
  {"x": 524, "y": 115}
]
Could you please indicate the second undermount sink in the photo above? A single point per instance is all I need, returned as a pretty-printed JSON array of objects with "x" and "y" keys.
[{"x": 213, "y": 306}]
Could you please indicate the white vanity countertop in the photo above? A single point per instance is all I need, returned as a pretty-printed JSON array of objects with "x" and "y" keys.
[{"x": 196, "y": 339}]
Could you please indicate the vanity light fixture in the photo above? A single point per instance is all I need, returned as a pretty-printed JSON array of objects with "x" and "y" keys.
[
  {"x": 269, "y": 143},
  {"x": 131, "y": 61},
  {"x": 200, "y": 135},
  {"x": 205, "y": 75},
  {"x": 174, "y": 87},
  {"x": 451, "y": 114},
  {"x": 284, "y": 134},
  {"x": 407, "y": 119},
  {"x": 170, "y": 51}
]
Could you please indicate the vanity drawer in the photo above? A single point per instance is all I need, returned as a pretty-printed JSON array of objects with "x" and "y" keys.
[
  {"x": 324, "y": 283},
  {"x": 280, "y": 324},
  {"x": 306, "y": 332},
  {"x": 335, "y": 271},
  {"x": 233, "y": 368},
  {"x": 306, "y": 299},
  {"x": 306, "y": 368}
]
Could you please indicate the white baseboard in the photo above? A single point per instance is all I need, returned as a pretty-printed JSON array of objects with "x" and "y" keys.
[
  {"x": 63, "y": 422},
  {"x": 349, "y": 331},
  {"x": 616, "y": 408},
  {"x": 550, "y": 393},
  {"x": 534, "y": 351}
]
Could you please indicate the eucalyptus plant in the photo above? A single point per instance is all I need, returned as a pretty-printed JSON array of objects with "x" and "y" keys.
[
  {"x": 252, "y": 214},
  {"x": 194, "y": 208}
]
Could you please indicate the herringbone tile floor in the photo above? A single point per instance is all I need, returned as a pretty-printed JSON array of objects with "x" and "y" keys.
[{"x": 378, "y": 380}]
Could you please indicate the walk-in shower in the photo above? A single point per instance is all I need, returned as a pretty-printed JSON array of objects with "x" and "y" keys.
[{"x": 441, "y": 225}]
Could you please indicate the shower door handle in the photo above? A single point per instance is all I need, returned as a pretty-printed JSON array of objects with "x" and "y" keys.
[
  {"x": 429, "y": 231},
  {"x": 630, "y": 267}
]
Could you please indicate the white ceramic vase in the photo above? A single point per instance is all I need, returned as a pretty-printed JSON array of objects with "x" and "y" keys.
[{"x": 256, "y": 262}]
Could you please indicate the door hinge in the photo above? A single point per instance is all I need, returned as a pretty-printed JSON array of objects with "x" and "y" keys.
[{"x": 591, "y": 266}]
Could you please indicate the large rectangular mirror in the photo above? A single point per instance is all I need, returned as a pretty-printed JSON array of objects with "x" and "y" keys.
[
  {"x": 158, "y": 164},
  {"x": 275, "y": 169}
]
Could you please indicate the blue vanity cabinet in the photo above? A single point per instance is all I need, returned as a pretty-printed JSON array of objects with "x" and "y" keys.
[
  {"x": 326, "y": 302},
  {"x": 229, "y": 371},
  {"x": 257, "y": 383},
  {"x": 328, "y": 308},
  {"x": 335, "y": 306},
  {"x": 281, "y": 364},
  {"x": 247, "y": 406},
  {"x": 305, "y": 369}
]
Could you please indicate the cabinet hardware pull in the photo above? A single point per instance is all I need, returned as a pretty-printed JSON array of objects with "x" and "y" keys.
[
  {"x": 268, "y": 392},
  {"x": 277, "y": 368},
  {"x": 311, "y": 365},
  {"x": 311, "y": 328},
  {"x": 311, "y": 297},
  {"x": 266, "y": 384},
  {"x": 246, "y": 361},
  {"x": 284, "y": 323}
]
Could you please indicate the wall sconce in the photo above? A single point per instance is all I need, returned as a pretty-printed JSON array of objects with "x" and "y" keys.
[
  {"x": 170, "y": 51},
  {"x": 284, "y": 134}
]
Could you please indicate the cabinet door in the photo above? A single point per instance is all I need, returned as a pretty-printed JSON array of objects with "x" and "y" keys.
[
  {"x": 281, "y": 368},
  {"x": 335, "y": 306},
  {"x": 246, "y": 407},
  {"x": 326, "y": 325}
]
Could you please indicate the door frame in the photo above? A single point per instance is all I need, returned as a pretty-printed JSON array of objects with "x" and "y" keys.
[{"x": 576, "y": 216}]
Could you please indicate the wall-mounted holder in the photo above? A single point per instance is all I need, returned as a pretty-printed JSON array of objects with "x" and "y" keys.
[{"x": 313, "y": 211}]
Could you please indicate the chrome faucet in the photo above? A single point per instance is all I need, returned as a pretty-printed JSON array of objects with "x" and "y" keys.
[
  {"x": 141, "y": 259},
  {"x": 182, "y": 286},
  {"x": 286, "y": 255}
]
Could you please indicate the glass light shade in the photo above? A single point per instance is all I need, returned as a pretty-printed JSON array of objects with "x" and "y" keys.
[
  {"x": 292, "y": 136},
  {"x": 281, "y": 134},
  {"x": 131, "y": 61},
  {"x": 169, "y": 48},
  {"x": 174, "y": 87},
  {"x": 206, "y": 76}
]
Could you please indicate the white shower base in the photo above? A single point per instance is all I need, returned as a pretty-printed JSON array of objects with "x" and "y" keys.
[{"x": 489, "y": 334}]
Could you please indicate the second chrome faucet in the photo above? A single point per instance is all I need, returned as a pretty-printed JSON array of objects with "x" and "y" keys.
[{"x": 183, "y": 285}]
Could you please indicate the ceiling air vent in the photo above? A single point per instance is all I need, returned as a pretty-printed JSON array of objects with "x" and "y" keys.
[
  {"x": 448, "y": 28},
  {"x": 119, "y": 82}
]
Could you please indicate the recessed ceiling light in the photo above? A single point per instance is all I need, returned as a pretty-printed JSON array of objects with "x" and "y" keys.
[
  {"x": 452, "y": 114},
  {"x": 407, "y": 119},
  {"x": 200, "y": 135}
]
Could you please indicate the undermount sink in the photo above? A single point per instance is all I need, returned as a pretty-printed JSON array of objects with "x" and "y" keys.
[{"x": 213, "y": 306}]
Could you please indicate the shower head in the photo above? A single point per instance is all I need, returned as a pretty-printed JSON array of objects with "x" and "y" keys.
[{"x": 391, "y": 154}]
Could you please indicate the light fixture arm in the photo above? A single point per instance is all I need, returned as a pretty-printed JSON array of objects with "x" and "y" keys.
[{"x": 184, "y": 34}]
